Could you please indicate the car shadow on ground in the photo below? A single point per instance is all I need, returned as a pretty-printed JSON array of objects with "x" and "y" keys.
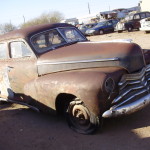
[{"x": 23, "y": 128}]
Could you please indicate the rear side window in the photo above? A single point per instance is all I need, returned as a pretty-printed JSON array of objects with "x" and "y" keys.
[
  {"x": 19, "y": 50},
  {"x": 147, "y": 14},
  {"x": 3, "y": 51}
]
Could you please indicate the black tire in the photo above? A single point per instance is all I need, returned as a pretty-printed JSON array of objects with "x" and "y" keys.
[
  {"x": 130, "y": 29},
  {"x": 147, "y": 32},
  {"x": 101, "y": 32},
  {"x": 80, "y": 119},
  {"x": 119, "y": 31},
  {"x": 3, "y": 102}
]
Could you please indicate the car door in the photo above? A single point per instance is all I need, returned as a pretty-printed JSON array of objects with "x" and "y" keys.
[
  {"x": 5, "y": 89},
  {"x": 136, "y": 21},
  {"x": 21, "y": 65},
  {"x": 109, "y": 26}
]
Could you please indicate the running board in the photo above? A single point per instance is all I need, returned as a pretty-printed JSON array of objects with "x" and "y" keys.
[{"x": 20, "y": 103}]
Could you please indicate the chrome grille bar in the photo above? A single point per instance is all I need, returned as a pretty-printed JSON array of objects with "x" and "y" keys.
[
  {"x": 132, "y": 82},
  {"x": 134, "y": 94}
]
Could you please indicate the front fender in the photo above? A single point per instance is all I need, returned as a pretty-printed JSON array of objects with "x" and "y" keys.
[{"x": 87, "y": 85}]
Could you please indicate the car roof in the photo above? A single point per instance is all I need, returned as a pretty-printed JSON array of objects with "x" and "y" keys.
[
  {"x": 143, "y": 12},
  {"x": 25, "y": 33},
  {"x": 107, "y": 20}
]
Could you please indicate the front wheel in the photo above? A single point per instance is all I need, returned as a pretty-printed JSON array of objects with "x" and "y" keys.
[
  {"x": 80, "y": 119},
  {"x": 120, "y": 31}
]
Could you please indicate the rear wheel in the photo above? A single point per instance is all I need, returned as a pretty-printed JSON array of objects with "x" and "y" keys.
[
  {"x": 80, "y": 119},
  {"x": 101, "y": 32},
  {"x": 130, "y": 28},
  {"x": 147, "y": 32}
]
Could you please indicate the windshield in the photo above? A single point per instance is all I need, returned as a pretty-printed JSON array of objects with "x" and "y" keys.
[
  {"x": 101, "y": 24},
  {"x": 55, "y": 38}
]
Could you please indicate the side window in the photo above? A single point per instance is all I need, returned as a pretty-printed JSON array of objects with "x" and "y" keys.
[
  {"x": 3, "y": 51},
  {"x": 54, "y": 38},
  {"x": 109, "y": 23},
  {"x": 143, "y": 16},
  {"x": 136, "y": 17},
  {"x": 147, "y": 14},
  {"x": 114, "y": 21},
  {"x": 40, "y": 41},
  {"x": 47, "y": 40},
  {"x": 19, "y": 50}
]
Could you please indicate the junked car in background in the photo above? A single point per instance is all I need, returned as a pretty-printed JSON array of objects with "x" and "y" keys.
[
  {"x": 145, "y": 25},
  {"x": 55, "y": 68},
  {"x": 131, "y": 22},
  {"x": 85, "y": 27},
  {"x": 102, "y": 27}
]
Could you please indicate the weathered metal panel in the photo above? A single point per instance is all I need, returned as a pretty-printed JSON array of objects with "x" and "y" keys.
[
  {"x": 89, "y": 55},
  {"x": 88, "y": 85}
]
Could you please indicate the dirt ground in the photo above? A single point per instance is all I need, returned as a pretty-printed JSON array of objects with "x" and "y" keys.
[{"x": 23, "y": 129}]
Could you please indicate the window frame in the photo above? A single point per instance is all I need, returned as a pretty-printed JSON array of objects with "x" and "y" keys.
[
  {"x": 142, "y": 15},
  {"x": 28, "y": 47},
  {"x": 58, "y": 30},
  {"x": 41, "y": 33},
  {"x": 134, "y": 18},
  {"x": 70, "y": 28}
]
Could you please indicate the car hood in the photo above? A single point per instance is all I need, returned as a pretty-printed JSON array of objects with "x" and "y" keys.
[{"x": 92, "y": 55}]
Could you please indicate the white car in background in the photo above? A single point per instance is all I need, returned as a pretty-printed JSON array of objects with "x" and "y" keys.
[
  {"x": 145, "y": 25},
  {"x": 120, "y": 27}
]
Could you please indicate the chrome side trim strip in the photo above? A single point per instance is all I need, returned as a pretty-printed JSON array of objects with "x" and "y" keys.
[
  {"x": 79, "y": 61},
  {"x": 112, "y": 41}
]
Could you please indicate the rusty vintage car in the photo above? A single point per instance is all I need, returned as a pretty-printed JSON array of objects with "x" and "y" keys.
[{"x": 55, "y": 68}]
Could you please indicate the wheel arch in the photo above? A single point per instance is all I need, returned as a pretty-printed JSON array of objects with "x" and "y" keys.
[
  {"x": 101, "y": 29},
  {"x": 62, "y": 102}
]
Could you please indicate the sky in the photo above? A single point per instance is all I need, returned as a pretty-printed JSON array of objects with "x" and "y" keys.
[{"x": 15, "y": 11}]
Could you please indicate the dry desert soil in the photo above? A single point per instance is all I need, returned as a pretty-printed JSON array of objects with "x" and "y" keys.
[{"x": 23, "y": 129}]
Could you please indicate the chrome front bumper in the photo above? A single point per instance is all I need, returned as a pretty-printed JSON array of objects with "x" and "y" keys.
[{"x": 134, "y": 94}]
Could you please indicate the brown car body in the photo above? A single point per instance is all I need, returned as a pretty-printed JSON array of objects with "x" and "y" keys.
[{"x": 78, "y": 77}]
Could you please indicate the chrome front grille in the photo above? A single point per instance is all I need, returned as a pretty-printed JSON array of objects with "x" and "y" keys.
[{"x": 132, "y": 87}]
